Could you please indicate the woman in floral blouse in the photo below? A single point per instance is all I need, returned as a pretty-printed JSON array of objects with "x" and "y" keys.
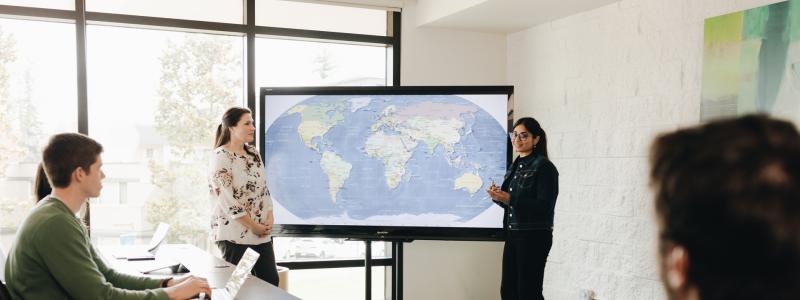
[{"x": 242, "y": 215}]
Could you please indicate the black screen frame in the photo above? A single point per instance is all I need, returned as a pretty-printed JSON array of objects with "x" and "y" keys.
[{"x": 382, "y": 233}]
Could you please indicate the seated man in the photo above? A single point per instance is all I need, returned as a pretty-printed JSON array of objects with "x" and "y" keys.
[
  {"x": 727, "y": 198},
  {"x": 53, "y": 258}
]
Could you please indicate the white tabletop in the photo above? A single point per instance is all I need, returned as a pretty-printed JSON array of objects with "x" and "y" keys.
[{"x": 200, "y": 263}]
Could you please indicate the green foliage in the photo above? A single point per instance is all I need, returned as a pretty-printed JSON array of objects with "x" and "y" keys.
[
  {"x": 179, "y": 200},
  {"x": 10, "y": 149},
  {"x": 200, "y": 79},
  {"x": 7, "y": 55},
  {"x": 11, "y": 208},
  {"x": 323, "y": 64},
  {"x": 26, "y": 117}
]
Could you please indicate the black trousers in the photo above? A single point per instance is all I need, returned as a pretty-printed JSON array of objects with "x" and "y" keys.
[
  {"x": 265, "y": 265},
  {"x": 524, "y": 257}
]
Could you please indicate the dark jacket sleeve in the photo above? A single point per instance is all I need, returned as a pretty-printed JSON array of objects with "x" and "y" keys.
[
  {"x": 501, "y": 204},
  {"x": 504, "y": 186},
  {"x": 534, "y": 199},
  {"x": 547, "y": 187}
]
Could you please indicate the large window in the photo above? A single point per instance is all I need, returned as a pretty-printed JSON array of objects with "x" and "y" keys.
[
  {"x": 304, "y": 15},
  {"x": 57, "y": 4},
  {"x": 226, "y": 11},
  {"x": 155, "y": 98},
  {"x": 307, "y": 248},
  {"x": 154, "y": 83},
  {"x": 281, "y": 62},
  {"x": 37, "y": 99}
]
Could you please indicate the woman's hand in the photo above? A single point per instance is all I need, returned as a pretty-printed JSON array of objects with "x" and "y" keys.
[
  {"x": 268, "y": 229},
  {"x": 177, "y": 280},
  {"x": 270, "y": 221},
  {"x": 261, "y": 230},
  {"x": 497, "y": 194},
  {"x": 187, "y": 288},
  {"x": 258, "y": 229}
]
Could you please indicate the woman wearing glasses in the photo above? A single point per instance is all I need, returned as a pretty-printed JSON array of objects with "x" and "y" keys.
[{"x": 528, "y": 196}]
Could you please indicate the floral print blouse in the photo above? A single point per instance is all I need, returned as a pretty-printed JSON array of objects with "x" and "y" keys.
[{"x": 239, "y": 189}]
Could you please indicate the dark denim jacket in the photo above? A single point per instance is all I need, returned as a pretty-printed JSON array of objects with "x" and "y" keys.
[{"x": 532, "y": 182}]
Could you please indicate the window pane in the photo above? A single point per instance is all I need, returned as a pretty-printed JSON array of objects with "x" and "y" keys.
[
  {"x": 303, "y": 63},
  {"x": 336, "y": 284},
  {"x": 155, "y": 98},
  {"x": 55, "y": 4},
  {"x": 37, "y": 99},
  {"x": 225, "y": 11},
  {"x": 299, "y": 249},
  {"x": 302, "y": 15}
]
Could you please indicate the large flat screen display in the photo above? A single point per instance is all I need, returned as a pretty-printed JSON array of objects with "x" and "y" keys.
[{"x": 385, "y": 162}]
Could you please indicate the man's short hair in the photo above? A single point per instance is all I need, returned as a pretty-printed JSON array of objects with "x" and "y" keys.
[
  {"x": 727, "y": 192},
  {"x": 65, "y": 152}
]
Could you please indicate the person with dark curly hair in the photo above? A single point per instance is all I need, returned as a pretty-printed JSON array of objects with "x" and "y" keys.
[{"x": 727, "y": 198}]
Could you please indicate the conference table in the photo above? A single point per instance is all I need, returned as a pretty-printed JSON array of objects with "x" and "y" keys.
[{"x": 199, "y": 263}]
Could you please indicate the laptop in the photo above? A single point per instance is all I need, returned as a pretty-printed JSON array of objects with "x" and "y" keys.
[
  {"x": 237, "y": 278},
  {"x": 144, "y": 252}
]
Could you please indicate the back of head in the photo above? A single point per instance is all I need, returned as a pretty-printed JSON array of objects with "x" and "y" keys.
[
  {"x": 230, "y": 118},
  {"x": 728, "y": 192},
  {"x": 64, "y": 153}
]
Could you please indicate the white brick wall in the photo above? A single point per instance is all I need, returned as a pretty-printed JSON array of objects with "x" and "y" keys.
[{"x": 603, "y": 83}]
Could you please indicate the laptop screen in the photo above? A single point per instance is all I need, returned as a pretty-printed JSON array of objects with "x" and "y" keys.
[
  {"x": 158, "y": 237},
  {"x": 239, "y": 274}
]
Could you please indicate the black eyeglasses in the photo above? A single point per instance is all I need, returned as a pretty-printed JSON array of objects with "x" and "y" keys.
[{"x": 523, "y": 136}]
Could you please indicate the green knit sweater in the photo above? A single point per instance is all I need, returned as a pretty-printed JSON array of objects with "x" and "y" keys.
[{"x": 53, "y": 258}]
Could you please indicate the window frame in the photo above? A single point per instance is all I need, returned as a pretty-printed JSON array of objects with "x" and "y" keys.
[{"x": 81, "y": 18}]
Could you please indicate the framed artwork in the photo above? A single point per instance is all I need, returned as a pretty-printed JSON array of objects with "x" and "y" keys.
[{"x": 751, "y": 63}]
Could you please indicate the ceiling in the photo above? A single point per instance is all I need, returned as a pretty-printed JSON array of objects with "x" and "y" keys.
[{"x": 498, "y": 16}]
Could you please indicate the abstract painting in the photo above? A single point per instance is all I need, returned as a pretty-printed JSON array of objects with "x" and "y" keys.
[{"x": 751, "y": 63}]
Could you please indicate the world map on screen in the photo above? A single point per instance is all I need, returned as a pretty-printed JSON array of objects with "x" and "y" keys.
[{"x": 404, "y": 160}]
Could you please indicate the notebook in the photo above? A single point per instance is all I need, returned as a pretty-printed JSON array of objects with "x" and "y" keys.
[{"x": 147, "y": 252}]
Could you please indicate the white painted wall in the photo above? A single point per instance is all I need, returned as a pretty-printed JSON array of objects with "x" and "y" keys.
[
  {"x": 432, "y": 56},
  {"x": 603, "y": 83},
  {"x": 431, "y": 10},
  {"x": 439, "y": 270}
]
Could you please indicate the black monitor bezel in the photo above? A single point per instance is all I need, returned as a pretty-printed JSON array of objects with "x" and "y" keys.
[{"x": 386, "y": 233}]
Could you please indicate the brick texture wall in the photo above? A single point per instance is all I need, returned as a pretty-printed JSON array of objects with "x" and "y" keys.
[{"x": 603, "y": 83}]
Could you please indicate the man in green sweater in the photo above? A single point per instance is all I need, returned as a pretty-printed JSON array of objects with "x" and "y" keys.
[{"x": 53, "y": 257}]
